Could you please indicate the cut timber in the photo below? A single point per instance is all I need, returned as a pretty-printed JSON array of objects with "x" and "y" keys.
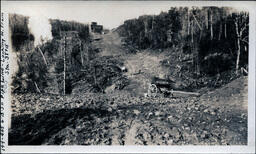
[
  {"x": 97, "y": 39},
  {"x": 243, "y": 70},
  {"x": 139, "y": 72},
  {"x": 183, "y": 93},
  {"x": 38, "y": 90}
]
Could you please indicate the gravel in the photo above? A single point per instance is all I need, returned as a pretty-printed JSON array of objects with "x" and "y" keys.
[{"x": 120, "y": 119}]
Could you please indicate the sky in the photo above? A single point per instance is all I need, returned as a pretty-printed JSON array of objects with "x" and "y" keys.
[{"x": 110, "y": 14}]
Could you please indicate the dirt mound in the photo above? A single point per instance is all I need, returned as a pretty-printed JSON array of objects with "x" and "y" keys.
[{"x": 233, "y": 95}]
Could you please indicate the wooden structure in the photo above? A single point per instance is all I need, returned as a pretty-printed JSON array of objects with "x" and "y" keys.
[{"x": 95, "y": 28}]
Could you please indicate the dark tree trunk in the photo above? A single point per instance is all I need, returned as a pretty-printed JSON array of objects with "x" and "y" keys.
[
  {"x": 225, "y": 30},
  {"x": 188, "y": 22},
  {"x": 206, "y": 20},
  {"x": 220, "y": 32}
]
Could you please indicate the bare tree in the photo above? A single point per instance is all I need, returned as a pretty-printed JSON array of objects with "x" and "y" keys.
[
  {"x": 188, "y": 21},
  {"x": 211, "y": 27},
  {"x": 240, "y": 25},
  {"x": 206, "y": 20},
  {"x": 81, "y": 53},
  {"x": 225, "y": 29},
  {"x": 220, "y": 31},
  {"x": 42, "y": 54},
  {"x": 64, "y": 65}
]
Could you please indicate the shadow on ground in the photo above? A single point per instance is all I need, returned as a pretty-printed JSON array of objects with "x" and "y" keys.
[{"x": 34, "y": 129}]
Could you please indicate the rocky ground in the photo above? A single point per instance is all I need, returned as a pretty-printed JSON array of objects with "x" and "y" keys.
[
  {"x": 216, "y": 118},
  {"x": 126, "y": 117}
]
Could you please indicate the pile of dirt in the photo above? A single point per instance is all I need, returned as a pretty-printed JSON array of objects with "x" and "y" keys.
[{"x": 233, "y": 95}]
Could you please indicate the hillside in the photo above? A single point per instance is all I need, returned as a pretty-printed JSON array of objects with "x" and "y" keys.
[
  {"x": 208, "y": 40},
  {"x": 167, "y": 79},
  {"x": 125, "y": 117}
]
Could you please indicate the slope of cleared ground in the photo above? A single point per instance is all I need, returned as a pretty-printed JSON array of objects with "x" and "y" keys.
[
  {"x": 124, "y": 117},
  {"x": 121, "y": 119},
  {"x": 141, "y": 66}
]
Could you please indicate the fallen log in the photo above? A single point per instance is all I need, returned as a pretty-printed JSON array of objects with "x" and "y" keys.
[
  {"x": 170, "y": 93},
  {"x": 97, "y": 39},
  {"x": 139, "y": 72},
  {"x": 38, "y": 90},
  {"x": 161, "y": 82},
  {"x": 182, "y": 93},
  {"x": 169, "y": 87},
  {"x": 244, "y": 71}
]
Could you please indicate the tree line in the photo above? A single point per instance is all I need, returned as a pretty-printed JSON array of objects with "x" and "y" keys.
[
  {"x": 35, "y": 62},
  {"x": 215, "y": 37}
]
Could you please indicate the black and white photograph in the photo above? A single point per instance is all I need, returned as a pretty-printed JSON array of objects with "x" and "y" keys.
[{"x": 131, "y": 73}]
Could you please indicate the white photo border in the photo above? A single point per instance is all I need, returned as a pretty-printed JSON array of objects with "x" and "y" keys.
[{"x": 250, "y": 148}]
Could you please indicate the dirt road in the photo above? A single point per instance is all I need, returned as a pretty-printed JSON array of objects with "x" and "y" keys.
[{"x": 141, "y": 66}]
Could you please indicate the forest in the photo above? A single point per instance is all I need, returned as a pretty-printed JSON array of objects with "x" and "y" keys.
[
  {"x": 208, "y": 42},
  {"x": 41, "y": 65},
  {"x": 216, "y": 38}
]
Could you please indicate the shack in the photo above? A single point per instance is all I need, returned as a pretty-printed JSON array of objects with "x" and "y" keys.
[{"x": 95, "y": 28}]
